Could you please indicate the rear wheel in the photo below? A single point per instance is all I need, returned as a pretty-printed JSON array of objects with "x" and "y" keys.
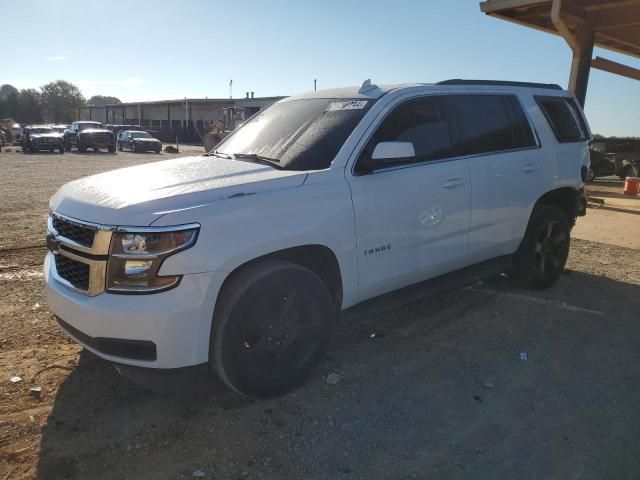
[
  {"x": 81, "y": 148},
  {"x": 112, "y": 148},
  {"x": 67, "y": 146},
  {"x": 134, "y": 148},
  {"x": 119, "y": 146},
  {"x": 544, "y": 250},
  {"x": 271, "y": 328},
  {"x": 591, "y": 175}
]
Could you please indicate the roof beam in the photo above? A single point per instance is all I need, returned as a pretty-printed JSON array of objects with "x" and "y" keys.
[
  {"x": 615, "y": 67},
  {"x": 614, "y": 17}
]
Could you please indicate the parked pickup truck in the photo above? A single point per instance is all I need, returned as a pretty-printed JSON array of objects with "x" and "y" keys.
[
  {"x": 87, "y": 134},
  {"x": 241, "y": 259}
]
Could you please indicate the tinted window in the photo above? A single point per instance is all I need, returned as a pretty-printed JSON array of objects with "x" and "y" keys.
[
  {"x": 422, "y": 122},
  {"x": 491, "y": 123},
  {"x": 300, "y": 134},
  {"x": 564, "y": 118}
]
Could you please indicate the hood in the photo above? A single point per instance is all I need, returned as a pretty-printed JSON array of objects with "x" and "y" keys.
[
  {"x": 45, "y": 135},
  {"x": 146, "y": 140},
  {"x": 139, "y": 195}
]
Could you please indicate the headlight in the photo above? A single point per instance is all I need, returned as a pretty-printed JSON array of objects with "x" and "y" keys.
[{"x": 137, "y": 255}]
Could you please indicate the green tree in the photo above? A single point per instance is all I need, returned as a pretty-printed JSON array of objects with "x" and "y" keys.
[
  {"x": 60, "y": 100},
  {"x": 29, "y": 109},
  {"x": 99, "y": 100},
  {"x": 8, "y": 101}
]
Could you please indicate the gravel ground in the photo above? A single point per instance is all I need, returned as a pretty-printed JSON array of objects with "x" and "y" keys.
[{"x": 435, "y": 389}]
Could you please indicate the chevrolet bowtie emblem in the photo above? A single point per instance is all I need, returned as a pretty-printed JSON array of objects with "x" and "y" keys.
[{"x": 52, "y": 244}]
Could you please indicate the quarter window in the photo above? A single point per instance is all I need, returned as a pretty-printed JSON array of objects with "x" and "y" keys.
[
  {"x": 564, "y": 118},
  {"x": 491, "y": 123}
]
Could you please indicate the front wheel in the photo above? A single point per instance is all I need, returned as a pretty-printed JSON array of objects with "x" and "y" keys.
[
  {"x": 591, "y": 175},
  {"x": 271, "y": 328},
  {"x": 544, "y": 250},
  {"x": 82, "y": 148}
]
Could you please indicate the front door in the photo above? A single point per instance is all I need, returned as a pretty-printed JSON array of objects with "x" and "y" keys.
[{"x": 412, "y": 218}]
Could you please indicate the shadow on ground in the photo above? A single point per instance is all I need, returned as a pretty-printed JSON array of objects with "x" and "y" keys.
[{"x": 435, "y": 389}]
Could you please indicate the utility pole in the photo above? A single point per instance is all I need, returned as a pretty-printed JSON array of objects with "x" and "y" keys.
[
  {"x": 231, "y": 88},
  {"x": 315, "y": 80}
]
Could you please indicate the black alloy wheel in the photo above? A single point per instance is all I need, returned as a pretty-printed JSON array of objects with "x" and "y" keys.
[{"x": 271, "y": 328}]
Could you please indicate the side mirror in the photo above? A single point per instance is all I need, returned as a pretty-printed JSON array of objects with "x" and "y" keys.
[
  {"x": 386, "y": 154},
  {"x": 390, "y": 152}
]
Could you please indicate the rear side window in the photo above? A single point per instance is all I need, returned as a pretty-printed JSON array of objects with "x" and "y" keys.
[
  {"x": 491, "y": 123},
  {"x": 423, "y": 122},
  {"x": 564, "y": 117}
]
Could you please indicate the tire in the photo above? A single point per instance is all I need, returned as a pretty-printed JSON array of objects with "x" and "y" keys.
[
  {"x": 134, "y": 149},
  {"x": 543, "y": 252},
  {"x": 112, "y": 149},
  {"x": 271, "y": 328},
  {"x": 61, "y": 149},
  {"x": 82, "y": 148},
  {"x": 591, "y": 175},
  {"x": 67, "y": 146},
  {"x": 158, "y": 150},
  {"x": 119, "y": 146}
]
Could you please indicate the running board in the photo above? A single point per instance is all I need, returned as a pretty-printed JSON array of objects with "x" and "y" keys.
[{"x": 429, "y": 288}]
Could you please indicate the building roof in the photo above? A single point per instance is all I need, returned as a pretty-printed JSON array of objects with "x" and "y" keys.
[
  {"x": 181, "y": 101},
  {"x": 616, "y": 23}
]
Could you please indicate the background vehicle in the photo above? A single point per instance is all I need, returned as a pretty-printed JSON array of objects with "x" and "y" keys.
[
  {"x": 86, "y": 134},
  {"x": 60, "y": 128},
  {"x": 137, "y": 141},
  {"x": 36, "y": 138},
  {"x": 602, "y": 165},
  {"x": 240, "y": 259},
  {"x": 16, "y": 133}
]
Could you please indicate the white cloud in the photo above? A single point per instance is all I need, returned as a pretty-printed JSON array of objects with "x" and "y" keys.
[{"x": 56, "y": 58}]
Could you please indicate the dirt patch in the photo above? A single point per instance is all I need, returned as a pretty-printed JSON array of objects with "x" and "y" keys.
[{"x": 435, "y": 389}]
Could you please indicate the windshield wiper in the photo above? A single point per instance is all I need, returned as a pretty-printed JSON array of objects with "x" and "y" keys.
[
  {"x": 258, "y": 158},
  {"x": 216, "y": 153}
]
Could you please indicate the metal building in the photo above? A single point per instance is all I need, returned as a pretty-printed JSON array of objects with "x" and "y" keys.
[{"x": 186, "y": 119}]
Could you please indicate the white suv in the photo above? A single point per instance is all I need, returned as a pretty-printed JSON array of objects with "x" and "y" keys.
[{"x": 241, "y": 259}]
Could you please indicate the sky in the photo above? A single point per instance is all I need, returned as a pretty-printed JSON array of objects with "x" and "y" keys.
[{"x": 155, "y": 50}]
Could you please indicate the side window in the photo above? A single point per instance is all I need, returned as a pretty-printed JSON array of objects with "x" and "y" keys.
[
  {"x": 423, "y": 122},
  {"x": 565, "y": 119},
  {"x": 491, "y": 123}
]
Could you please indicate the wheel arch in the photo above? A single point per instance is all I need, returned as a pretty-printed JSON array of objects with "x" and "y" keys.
[
  {"x": 564, "y": 198},
  {"x": 320, "y": 259}
]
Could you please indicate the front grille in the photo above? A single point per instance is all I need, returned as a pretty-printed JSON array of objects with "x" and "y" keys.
[
  {"x": 74, "y": 272},
  {"x": 74, "y": 231}
]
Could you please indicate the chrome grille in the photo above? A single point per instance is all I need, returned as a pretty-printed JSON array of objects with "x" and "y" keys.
[
  {"x": 74, "y": 231},
  {"x": 74, "y": 272}
]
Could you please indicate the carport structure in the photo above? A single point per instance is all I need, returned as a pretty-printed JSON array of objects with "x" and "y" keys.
[{"x": 609, "y": 24}]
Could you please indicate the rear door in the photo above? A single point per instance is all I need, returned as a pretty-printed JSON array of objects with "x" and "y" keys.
[
  {"x": 494, "y": 134},
  {"x": 411, "y": 218}
]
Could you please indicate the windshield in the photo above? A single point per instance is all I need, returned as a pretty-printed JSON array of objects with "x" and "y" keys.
[
  {"x": 40, "y": 130},
  {"x": 140, "y": 135},
  {"x": 85, "y": 126},
  {"x": 298, "y": 134}
]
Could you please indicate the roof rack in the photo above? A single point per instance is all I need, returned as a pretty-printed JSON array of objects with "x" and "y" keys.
[{"x": 504, "y": 83}]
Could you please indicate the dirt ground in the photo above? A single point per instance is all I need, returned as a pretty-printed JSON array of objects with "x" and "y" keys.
[{"x": 488, "y": 381}]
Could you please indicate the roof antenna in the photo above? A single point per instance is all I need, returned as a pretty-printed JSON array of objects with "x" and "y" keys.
[{"x": 366, "y": 86}]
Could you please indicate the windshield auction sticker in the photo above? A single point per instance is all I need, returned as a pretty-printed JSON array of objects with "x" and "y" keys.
[{"x": 350, "y": 105}]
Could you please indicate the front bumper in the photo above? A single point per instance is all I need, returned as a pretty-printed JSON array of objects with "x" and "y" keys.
[{"x": 175, "y": 325}]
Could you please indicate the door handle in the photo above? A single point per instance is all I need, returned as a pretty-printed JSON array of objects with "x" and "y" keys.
[
  {"x": 529, "y": 167},
  {"x": 453, "y": 183}
]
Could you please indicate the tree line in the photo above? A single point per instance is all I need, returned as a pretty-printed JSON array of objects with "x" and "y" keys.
[{"x": 54, "y": 102}]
